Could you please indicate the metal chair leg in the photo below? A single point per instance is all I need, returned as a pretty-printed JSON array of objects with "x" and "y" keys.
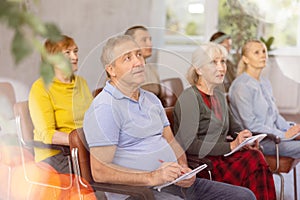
[
  {"x": 295, "y": 184},
  {"x": 281, "y": 185},
  {"x": 210, "y": 176}
]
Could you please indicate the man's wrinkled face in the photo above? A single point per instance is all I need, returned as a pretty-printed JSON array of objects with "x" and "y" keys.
[{"x": 128, "y": 67}]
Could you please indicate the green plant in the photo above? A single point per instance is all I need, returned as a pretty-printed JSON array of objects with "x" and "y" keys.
[
  {"x": 268, "y": 42},
  {"x": 191, "y": 28},
  {"x": 235, "y": 21},
  {"x": 28, "y": 31}
]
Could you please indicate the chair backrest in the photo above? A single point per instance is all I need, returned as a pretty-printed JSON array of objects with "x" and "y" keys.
[
  {"x": 96, "y": 91},
  {"x": 171, "y": 88},
  {"x": 152, "y": 87},
  {"x": 77, "y": 141},
  {"x": 7, "y": 90},
  {"x": 24, "y": 122},
  {"x": 169, "y": 112}
]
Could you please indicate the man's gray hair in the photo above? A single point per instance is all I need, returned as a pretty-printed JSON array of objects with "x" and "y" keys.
[
  {"x": 108, "y": 55},
  {"x": 131, "y": 31}
]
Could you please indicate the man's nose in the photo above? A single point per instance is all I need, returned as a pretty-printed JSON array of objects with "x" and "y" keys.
[
  {"x": 149, "y": 43},
  {"x": 138, "y": 61}
]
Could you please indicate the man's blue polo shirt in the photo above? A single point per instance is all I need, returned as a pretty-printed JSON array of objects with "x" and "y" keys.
[{"x": 135, "y": 127}]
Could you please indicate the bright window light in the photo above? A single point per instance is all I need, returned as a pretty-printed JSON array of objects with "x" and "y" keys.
[{"x": 196, "y": 8}]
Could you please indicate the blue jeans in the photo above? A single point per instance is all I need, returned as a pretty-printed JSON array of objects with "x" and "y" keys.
[
  {"x": 205, "y": 190},
  {"x": 286, "y": 148}
]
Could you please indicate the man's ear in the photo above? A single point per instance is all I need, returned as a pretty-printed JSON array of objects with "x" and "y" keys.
[{"x": 110, "y": 70}]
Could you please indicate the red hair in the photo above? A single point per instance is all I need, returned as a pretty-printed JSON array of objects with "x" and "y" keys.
[{"x": 53, "y": 47}]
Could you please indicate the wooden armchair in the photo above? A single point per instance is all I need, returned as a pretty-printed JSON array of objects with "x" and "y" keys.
[
  {"x": 25, "y": 130},
  {"x": 171, "y": 88},
  {"x": 282, "y": 164},
  {"x": 7, "y": 89},
  {"x": 97, "y": 91},
  {"x": 81, "y": 165}
]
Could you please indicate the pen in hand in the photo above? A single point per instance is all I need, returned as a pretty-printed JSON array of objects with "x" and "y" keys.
[{"x": 161, "y": 161}]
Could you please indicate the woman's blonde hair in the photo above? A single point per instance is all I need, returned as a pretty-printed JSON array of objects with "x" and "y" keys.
[
  {"x": 242, "y": 66},
  {"x": 203, "y": 55}
]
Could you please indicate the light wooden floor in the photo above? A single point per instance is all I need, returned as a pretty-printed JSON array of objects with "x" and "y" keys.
[{"x": 293, "y": 118}]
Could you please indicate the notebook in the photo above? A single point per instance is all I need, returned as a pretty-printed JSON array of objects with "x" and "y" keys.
[
  {"x": 248, "y": 141},
  {"x": 183, "y": 177}
]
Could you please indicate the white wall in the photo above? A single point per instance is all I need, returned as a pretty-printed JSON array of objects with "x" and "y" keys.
[
  {"x": 284, "y": 74},
  {"x": 90, "y": 23}
]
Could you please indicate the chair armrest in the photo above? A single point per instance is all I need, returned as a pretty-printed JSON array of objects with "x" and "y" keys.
[
  {"x": 37, "y": 144},
  {"x": 272, "y": 137},
  {"x": 194, "y": 161},
  {"x": 138, "y": 192}
]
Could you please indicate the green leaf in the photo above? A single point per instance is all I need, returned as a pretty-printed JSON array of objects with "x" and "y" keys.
[
  {"x": 35, "y": 23},
  {"x": 14, "y": 17},
  {"x": 263, "y": 40},
  {"x": 47, "y": 72},
  {"x": 61, "y": 62},
  {"x": 53, "y": 32},
  {"x": 20, "y": 48},
  {"x": 270, "y": 41}
]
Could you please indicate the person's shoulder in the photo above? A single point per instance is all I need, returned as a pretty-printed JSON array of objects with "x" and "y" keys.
[
  {"x": 189, "y": 94},
  {"x": 80, "y": 79},
  {"x": 38, "y": 89},
  {"x": 39, "y": 83},
  {"x": 192, "y": 90},
  {"x": 265, "y": 80},
  {"x": 243, "y": 81},
  {"x": 241, "y": 78}
]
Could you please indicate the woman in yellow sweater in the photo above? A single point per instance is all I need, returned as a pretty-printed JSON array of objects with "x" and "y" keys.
[{"x": 59, "y": 108}]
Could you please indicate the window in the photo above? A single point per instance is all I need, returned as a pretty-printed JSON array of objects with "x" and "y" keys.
[
  {"x": 193, "y": 21},
  {"x": 187, "y": 22},
  {"x": 286, "y": 32},
  {"x": 255, "y": 19}
]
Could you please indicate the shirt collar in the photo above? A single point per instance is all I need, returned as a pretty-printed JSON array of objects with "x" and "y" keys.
[{"x": 116, "y": 93}]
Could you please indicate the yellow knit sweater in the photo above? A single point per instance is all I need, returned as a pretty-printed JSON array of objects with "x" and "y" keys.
[{"x": 58, "y": 107}]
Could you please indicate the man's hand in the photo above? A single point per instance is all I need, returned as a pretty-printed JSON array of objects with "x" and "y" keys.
[
  {"x": 167, "y": 172},
  {"x": 186, "y": 182}
]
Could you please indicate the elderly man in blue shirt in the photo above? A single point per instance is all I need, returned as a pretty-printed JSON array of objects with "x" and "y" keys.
[{"x": 130, "y": 138}]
